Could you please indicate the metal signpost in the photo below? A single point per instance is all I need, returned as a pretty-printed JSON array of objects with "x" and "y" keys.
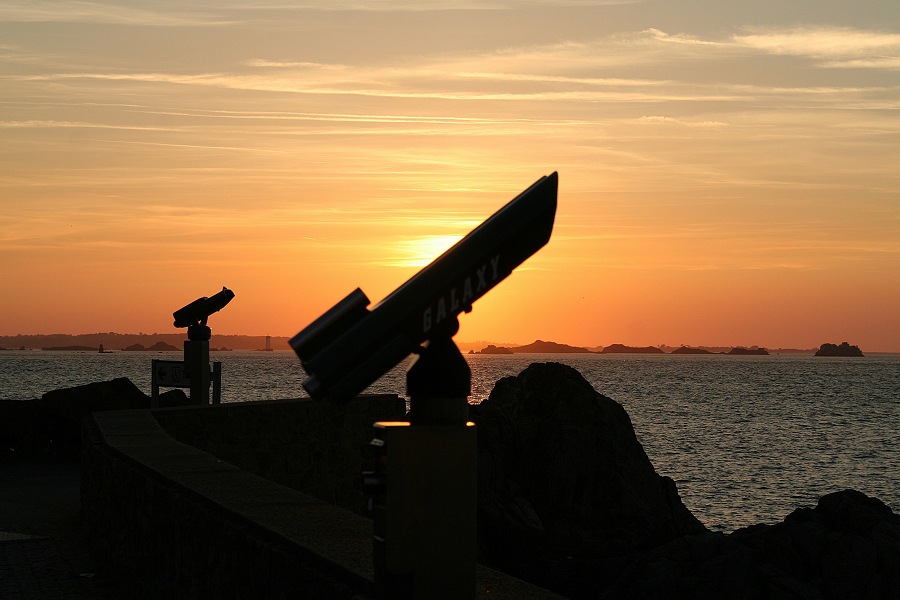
[{"x": 173, "y": 374}]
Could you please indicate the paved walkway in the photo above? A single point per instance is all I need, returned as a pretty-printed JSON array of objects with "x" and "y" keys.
[{"x": 43, "y": 553}]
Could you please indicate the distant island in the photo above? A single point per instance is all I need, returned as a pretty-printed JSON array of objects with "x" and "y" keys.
[
  {"x": 157, "y": 347},
  {"x": 542, "y": 347},
  {"x": 169, "y": 342},
  {"x": 844, "y": 349},
  {"x": 536, "y": 347},
  {"x": 492, "y": 349},
  {"x": 689, "y": 350},
  {"x": 739, "y": 351},
  {"x": 90, "y": 342},
  {"x": 623, "y": 349}
]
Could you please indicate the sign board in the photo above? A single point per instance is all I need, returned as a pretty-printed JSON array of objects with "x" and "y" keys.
[{"x": 170, "y": 373}]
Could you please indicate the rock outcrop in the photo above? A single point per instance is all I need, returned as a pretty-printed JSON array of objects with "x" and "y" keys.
[
  {"x": 847, "y": 547},
  {"x": 569, "y": 500},
  {"x": 49, "y": 428},
  {"x": 567, "y": 495}
]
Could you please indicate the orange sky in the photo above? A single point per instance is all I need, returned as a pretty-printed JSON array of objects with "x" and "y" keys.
[{"x": 728, "y": 175}]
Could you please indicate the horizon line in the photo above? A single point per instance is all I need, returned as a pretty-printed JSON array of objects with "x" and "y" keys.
[{"x": 468, "y": 343}]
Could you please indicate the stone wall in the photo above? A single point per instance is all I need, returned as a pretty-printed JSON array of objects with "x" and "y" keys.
[
  {"x": 168, "y": 520},
  {"x": 314, "y": 447}
]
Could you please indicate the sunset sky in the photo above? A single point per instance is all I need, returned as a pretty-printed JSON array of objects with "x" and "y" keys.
[{"x": 729, "y": 172}]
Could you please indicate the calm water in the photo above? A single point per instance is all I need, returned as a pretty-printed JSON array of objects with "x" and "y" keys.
[{"x": 746, "y": 438}]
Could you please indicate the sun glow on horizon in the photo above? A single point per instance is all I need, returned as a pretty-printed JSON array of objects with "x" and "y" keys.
[{"x": 420, "y": 251}]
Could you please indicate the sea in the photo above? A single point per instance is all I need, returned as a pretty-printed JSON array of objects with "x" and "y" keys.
[{"x": 747, "y": 439}]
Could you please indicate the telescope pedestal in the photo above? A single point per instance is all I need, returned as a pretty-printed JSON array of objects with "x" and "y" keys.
[
  {"x": 425, "y": 485},
  {"x": 196, "y": 362}
]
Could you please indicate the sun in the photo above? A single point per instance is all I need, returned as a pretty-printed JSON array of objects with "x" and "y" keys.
[{"x": 421, "y": 251}]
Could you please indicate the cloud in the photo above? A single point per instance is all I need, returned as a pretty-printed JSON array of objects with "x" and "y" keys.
[
  {"x": 205, "y": 14},
  {"x": 680, "y": 38},
  {"x": 92, "y": 12},
  {"x": 835, "y": 47},
  {"x": 429, "y": 5},
  {"x": 686, "y": 123}
]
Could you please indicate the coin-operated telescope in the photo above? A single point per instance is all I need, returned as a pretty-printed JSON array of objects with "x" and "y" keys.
[
  {"x": 196, "y": 348},
  {"x": 423, "y": 490},
  {"x": 194, "y": 315}
]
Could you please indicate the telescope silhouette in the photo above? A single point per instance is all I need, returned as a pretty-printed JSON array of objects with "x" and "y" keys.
[
  {"x": 198, "y": 311},
  {"x": 350, "y": 346}
]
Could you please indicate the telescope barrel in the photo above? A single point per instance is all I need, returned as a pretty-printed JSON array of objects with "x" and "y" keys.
[
  {"x": 349, "y": 347},
  {"x": 198, "y": 311}
]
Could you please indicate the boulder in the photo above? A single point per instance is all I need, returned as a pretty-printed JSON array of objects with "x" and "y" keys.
[
  {"x": 49, "y": 428},
  {"x": 846, "y": 548},
  {"x": 567, "y": 494}
]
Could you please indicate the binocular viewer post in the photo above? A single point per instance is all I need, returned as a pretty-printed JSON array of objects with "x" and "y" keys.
[
  {"x": 194, "y": 316},
  {"x": 423, "y": 490}
]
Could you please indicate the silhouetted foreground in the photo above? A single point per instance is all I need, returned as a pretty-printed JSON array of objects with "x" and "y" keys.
[
  {"x": 569, "y": 500},
  {"x": 49, "y": 428}
]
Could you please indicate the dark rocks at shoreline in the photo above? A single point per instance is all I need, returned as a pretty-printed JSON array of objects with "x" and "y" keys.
[
  {"x": 844, "y": 349},
  {"x": 568, "y": 500},
  {"x": 49, "y": 428},
  {"x": 567, "y": 495},
  {"x": 623, "y": 349},
  {"x": 846, "y": 548}
]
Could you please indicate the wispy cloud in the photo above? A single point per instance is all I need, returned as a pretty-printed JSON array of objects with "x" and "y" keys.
[
  {"x": 429, "y": 5},
  {"x": 30, "y": 11},
  {"x": 835, "y": 47},
  {"x": 659, "y": 119}
]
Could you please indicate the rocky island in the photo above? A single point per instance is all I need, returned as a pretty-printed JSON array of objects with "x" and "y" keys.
[
  {"x": 740, "y": 351},
  {"x": 492, "y": 349},
  {"x": 157, "y": 347},
  {"x": 689, "y": 350},
  {"x": 844, "y": 349},
  {"x": 536, "y": 347},
  {"x": 623, "y": 349}
]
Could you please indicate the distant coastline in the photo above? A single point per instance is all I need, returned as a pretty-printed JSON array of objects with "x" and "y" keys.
[
  {"x": 545, "y": 347},
  {"x": 134, "y": 342},
  {"x": 170, "y": 342}
]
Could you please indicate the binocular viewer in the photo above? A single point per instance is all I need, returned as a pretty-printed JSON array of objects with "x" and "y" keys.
[
  {"x": 198, "y": 311},
  {"x": 350, "y": 346}
]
